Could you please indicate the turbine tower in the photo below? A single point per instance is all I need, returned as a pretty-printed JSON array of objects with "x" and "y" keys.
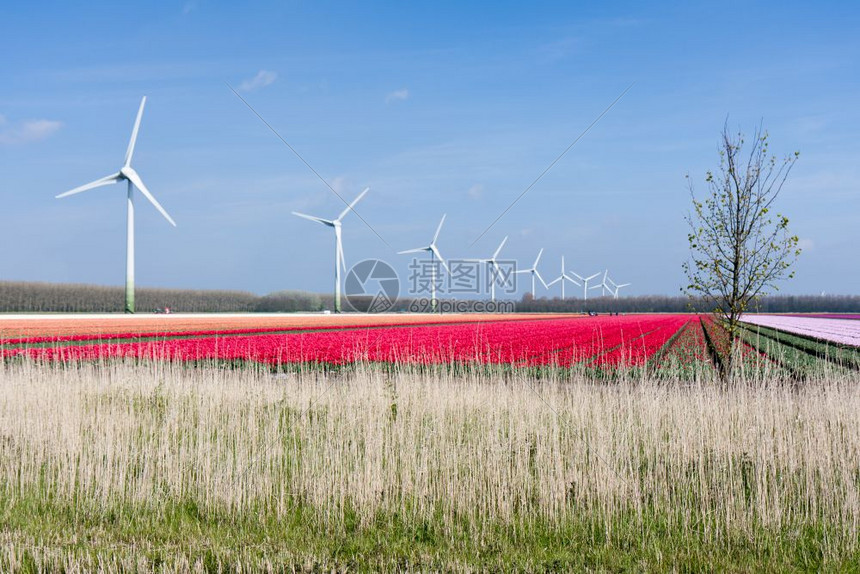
[
  {"x": 127, "y": 173},
  {"x": 434, "y": 254},
  {"x": 562, "y": 278},
  {"x": 339, "y": 261},
  {"x": 492, "y": 268},
  {"x": 585, "y": 281},
  {"x": 535, "y": 273}
]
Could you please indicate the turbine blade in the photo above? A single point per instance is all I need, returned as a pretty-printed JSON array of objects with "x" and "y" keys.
[
  {"x": 541, "y": 278},
  {"x": 538, "y": 258},
  {"x": 438, "y": 229},
  {"x": 417, "y": 250},
  {"x": 502, "y": 244},
  {"x": 577, "y": 275},
  {"x": 351, "y": 205},
  {"x": 439, "y": 256},
  {"x": 107, "y": 180},
  {"x": 138, "y": 183},
  {"x": 553, "y": 282},
  {"x": 577, "y": 283},
  {"x": 591, "y": 277},
  {"x": 130, "y": 151},
  {"x": 314, "y": 218}
]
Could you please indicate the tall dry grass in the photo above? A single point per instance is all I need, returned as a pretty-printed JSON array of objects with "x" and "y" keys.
[{"x": 469, "y": 453}]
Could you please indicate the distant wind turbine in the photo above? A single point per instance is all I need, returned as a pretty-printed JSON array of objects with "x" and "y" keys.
[
  {"x": 434, "y": 254},
  {"x": 339, "y": 260},
  {"x": 535, "y": 273},
  {"x": 126, "y": 173},
  {"x": 493, "y": 268},
  {"x": 585, "y": 286},
  {"x": 564, "y": 276},
  {"x": 614, "y": 287}
]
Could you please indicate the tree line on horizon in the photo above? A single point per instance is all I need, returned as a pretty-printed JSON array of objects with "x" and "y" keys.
[{"x": 32, "y": 297}]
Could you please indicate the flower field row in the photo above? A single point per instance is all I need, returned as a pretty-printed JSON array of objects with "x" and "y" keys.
[
  {"x": 46, "y": 329},
  {"x": 828, "y": 316},
  {"x": 637, "y": 351},
  {"x": 608, "y": 341},
  {"x": 843, "y": 331}
]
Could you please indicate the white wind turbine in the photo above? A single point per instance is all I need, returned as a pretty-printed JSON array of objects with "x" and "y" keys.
[
  {"x": 614, "y": 287},
  {"x": 603, "y": 284},
  {"x": 126, "y": 173},
  {"x": 493, "y": 268},
  {"x": 339, "y": 260},
  {"x": 535, "y": 273},
  {"x": 434, "y": 254},
  {"x": 562, "y": 278},
  {"x": 585, "y": 281}
]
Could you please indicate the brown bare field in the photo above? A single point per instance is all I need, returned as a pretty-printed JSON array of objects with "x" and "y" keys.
[{"x": 67, "y": 325}]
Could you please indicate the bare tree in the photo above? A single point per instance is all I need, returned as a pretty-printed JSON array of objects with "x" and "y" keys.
[{"x": 739, "y": 250}]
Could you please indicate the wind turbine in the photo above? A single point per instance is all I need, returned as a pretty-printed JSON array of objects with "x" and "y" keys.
[
  {"x": 339, "y": 261},
  {"x": 585, "y": 286},
  {"x": 613, "y": 289},
  {"x": 434, "y": 253},
  {"x": 493, "y": 268},
  {"x": 561, "y": 278},
  {"x": 603, "y": 284},
  {"x": 127, "y": 173},
  {"x": 535, "y": 273}
]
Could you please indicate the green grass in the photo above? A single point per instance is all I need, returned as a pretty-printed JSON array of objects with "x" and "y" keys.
[{"x": 173, "y": 533}]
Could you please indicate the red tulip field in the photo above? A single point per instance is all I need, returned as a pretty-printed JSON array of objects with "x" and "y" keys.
[
  {"x": 601, "y": 342},
  {"x": 609, "y": 341}
]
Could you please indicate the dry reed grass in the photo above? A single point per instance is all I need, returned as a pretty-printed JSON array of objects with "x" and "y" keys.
[{"x": 469, "y": 454}]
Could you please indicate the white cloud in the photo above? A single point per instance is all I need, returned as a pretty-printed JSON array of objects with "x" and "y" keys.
[
  {"x": 261, "y": 80},
  {"x": 476, "y": 191},
  {"x": 26, "y": 131},
  {"x": 397, "y": 96},
  {"x": 189, "y": 7},
  {"x": 339, "y": 184},
  {"x": 806, "y": 244}
]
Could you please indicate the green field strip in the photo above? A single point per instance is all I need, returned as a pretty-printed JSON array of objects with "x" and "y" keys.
[
  {"x": 800, "y": 363},
  {"x": 746, "y": 361},
  {"x": 655, "y": 359},
  {"x": 841, "y": 355}
]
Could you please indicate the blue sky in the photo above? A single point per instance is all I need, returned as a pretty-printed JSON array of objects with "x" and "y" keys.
[{"x": 442, "y": 107}]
